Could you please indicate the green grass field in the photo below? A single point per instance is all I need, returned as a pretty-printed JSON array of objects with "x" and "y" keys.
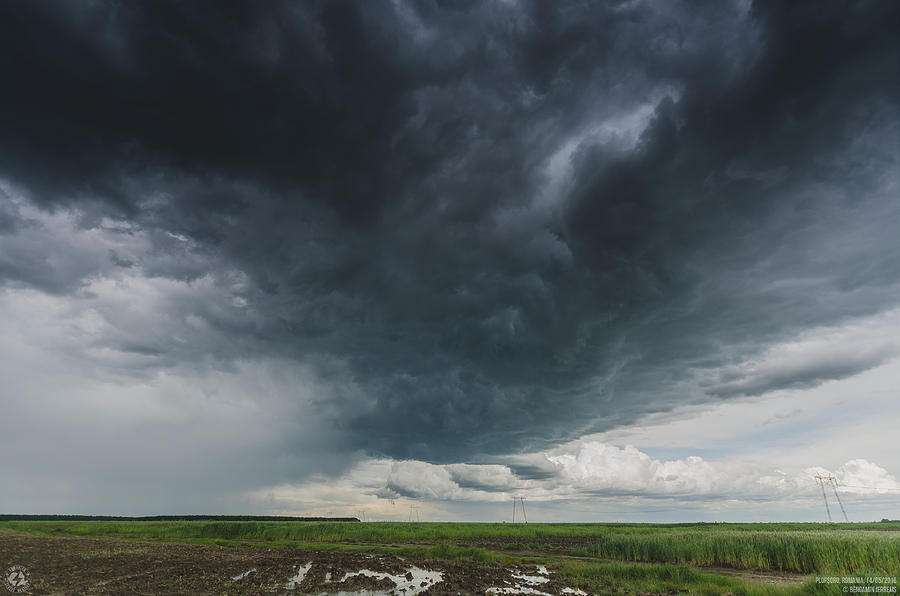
[{"x": 651, "y": 558}]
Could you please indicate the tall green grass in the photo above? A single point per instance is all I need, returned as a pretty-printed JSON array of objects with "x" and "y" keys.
[
  {"x": 614, "y": 577},
  {"x": 804, "y": 552}
]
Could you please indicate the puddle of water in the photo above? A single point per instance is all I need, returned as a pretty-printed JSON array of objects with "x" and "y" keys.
[
  {"x": 517, "y": 589},
  {"x": 241, "y": 576},
  {"x": 525, "y": 584},
  {"x": 402, "y": 583},
  {"x": 531, "y": 579},
  {"x": 293, "y": 582}
]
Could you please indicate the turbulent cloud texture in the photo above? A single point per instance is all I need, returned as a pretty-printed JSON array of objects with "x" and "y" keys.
[{"x": 472, "y": 229}]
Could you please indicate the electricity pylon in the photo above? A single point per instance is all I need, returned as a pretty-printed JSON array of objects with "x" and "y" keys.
[
  {"x": 516, "y": 502},
  {"x": 832, "y": 482}
]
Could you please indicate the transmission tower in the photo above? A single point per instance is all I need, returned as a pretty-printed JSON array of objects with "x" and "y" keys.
[
  {"x": 832, "y": 482},
  {"x": 836, "y": 496},
  {"x": 519, "y": 501},
  {"x": 414, "y": 513}
]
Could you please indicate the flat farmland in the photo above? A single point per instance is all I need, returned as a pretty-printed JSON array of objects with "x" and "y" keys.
[{"x": 249, "y": 557}]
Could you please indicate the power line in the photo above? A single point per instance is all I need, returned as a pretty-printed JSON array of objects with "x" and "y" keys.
[{"x": 869, "y": 487}]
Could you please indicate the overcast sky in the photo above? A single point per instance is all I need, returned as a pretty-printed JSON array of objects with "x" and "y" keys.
[{"x": 629, "y": 260}]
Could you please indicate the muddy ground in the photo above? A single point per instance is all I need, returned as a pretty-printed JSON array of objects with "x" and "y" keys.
[
  {"x": 71, "y": 565},
  {"x": 558, "y": 546}
]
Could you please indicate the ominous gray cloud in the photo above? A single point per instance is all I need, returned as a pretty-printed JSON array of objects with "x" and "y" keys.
[{"x": 486, "y": 227}]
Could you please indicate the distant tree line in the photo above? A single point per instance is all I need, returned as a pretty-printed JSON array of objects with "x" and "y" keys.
[{"x": 281, "y": 518}]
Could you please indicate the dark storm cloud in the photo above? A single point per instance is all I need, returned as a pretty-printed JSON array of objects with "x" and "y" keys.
[{"x": 490, "y": 227}]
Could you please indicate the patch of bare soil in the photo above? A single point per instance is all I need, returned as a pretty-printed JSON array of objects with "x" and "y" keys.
[{"x": 72, "y": 565}]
